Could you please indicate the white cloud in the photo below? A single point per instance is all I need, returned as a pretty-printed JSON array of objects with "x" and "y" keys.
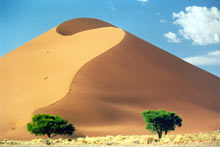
[
  {"x": 144, "y": 1},
  {"x": 162, "y": 21},
  {"x": 172, "y": 37},
  {"x": 214, "y": 53},
  {"x": 199, "y": 24},
  {"x": 211, "y": 58},
  {"x": 112, "y": 6}
]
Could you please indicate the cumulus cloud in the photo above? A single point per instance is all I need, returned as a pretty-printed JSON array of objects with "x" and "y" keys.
[
  {"x": 142, "y": 1},
  {"x": 199, "y": 24},
  {"x": 172, "y": 37},
  {"x": 211, "y": 58},
  {"x": 214, "y": 53}
]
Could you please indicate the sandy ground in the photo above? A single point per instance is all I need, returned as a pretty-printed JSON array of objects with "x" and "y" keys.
[
  {"x": 131, "y": 145},
  {"x": 208, "y": 139},
  {"x": 179, "y": 145}
]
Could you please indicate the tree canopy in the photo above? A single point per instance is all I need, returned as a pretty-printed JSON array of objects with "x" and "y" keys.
[
  {"x": 50, "y": 125},
  {"x": 161, "y": 121}
]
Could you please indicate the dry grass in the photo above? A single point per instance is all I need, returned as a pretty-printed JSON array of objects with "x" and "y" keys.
[{"x": 211, "y": 137}]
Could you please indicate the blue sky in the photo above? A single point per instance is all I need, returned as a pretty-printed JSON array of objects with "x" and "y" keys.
[{"x": 188, "y": 29}]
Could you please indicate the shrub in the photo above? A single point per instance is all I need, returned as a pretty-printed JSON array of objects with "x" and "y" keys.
[
  {"x": 45, "y": 124},
  {"x": 161, "y": 121}
]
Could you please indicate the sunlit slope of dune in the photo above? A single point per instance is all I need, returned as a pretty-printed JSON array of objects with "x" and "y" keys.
[
  {"x": 40, "y": 72},
  {"x": 101, "y": 78}
]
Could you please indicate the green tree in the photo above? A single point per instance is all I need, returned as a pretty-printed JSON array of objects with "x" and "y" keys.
[
  {"x": 161, "y": 121},
  {"x": 50, "y": 125}
]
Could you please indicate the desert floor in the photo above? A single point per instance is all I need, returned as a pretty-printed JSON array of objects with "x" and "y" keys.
[
  {"x": 208, "y": 139},
  {"x": 132, "y": 145}
]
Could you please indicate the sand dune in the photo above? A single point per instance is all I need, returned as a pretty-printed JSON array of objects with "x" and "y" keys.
[
  {"x": 101, "y": 78},
  {"x": 40, "y": 72}
]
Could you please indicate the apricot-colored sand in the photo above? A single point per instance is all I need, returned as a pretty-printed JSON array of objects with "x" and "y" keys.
[{"x": 101, "y": 78}]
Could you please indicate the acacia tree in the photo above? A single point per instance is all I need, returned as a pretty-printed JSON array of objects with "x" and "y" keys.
[
  {"x": 161, "y": 121},
  {"x": 50, "y": 125}
]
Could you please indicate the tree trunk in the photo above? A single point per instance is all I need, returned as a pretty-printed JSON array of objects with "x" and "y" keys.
[
  {"x": 159, "y": 134},
  {"x": 47, "y": 141},
  {"x": 166, "y": 132}
]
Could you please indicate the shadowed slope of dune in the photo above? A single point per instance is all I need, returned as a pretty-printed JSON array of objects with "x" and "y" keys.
[
  {"x": 108, "y": 94},
  {"x": 109, "y": 91}
]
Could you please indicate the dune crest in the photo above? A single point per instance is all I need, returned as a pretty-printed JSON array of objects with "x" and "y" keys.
[
  {"x": 74, "y": 26},
  {"x": 101, "y": 78}
]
